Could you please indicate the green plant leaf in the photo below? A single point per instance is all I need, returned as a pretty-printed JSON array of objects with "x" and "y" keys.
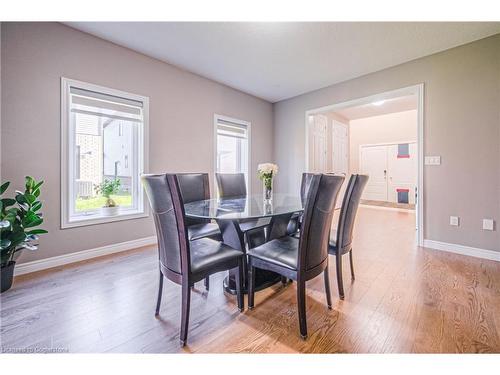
[
  {"x": 34, "y": 223},
  {"x": 30, "y": 182},
  {"x": 30, "y": 198},
  {"x": 37, "y": 231},
  {"x": 8, "y": 202},
  {"x": 4, "y": 224},
  {"x": 36, "y": 206},
  {"x": 37, "y": 186},
  {"x": 4, "y": 187},
  {"x": 20, "y": 198},
  {"x": 17, "y": 238},
  {"x": 4, "y": 243}
]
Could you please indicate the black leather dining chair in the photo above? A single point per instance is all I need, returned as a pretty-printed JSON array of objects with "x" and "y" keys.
[
  {"x": 196, "y": 187},
  {"x": 296, "y": 219},
  {"x": 341, "y": 238},
  {"x": 183, "y": 261},
  {"x": 301, "y": 259},
  {"x": 233, "y": 185}
]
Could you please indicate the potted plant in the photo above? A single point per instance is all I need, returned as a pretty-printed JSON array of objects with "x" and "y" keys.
[
  {"x": 107, "y": 188},
  {"x": 267, "y": 171},
  {"x": 18, "y": 221}
]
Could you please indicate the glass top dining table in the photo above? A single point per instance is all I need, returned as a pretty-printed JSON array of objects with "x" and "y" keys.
[
  {"x": 272, "y": 220},
  {"x": 241, "y": 208}
]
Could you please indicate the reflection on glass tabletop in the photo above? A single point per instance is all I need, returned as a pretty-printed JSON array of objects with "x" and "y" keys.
[{"x": 251, "y": 206}]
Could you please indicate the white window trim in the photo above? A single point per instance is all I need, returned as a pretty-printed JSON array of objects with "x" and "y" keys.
[
  {"x": 248, "y": 125},
  {"x": 143, "y": 152}
]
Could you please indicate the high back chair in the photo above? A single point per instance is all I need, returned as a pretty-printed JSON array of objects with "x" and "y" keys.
[
  {"x": 231, "y": 185},
  {"x": 196, "y": 187},
  {"x": 341, "y": 238},
  {"x": 182, "y": 261},
  {"x": 301, "y": 259}
]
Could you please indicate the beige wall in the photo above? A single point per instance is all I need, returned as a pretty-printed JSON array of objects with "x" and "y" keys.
[
  {"x": 461, "y": 124},
  {"x": 393, "y": 127},
  {"x": 182, "y": 105}
]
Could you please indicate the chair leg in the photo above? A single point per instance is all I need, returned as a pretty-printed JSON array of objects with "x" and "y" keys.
[
  {"x": 327, "y": 288},
  {"x": 207, "y": 283},
  {"x": 239, "y": 286},
  {"x": 251, "y": 284},
  {"x": 352, "y": 265},
  {"x": 160, "y": 289},
  {"x": 340, "y": 282},
  {"x": 186, "y": 301},
  {"x": 301, "y": 302}
]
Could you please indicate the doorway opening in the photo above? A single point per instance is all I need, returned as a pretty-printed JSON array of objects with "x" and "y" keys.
[{"x": 380, "y": 136}]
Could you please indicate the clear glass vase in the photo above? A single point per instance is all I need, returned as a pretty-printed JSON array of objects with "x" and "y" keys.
[{"x": 267, "y": 189}]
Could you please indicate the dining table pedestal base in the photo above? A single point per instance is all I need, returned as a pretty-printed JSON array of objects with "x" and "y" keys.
[{"x": 263, "y": 279}]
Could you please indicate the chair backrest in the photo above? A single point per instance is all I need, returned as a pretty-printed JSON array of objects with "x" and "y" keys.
[
  {"x": 231, "y": 185},
  {"x": 168, "y": 212},
  {"x": 304, "y": 186},
  {"x": 318, "y": 214},
  {"x": 348, "y": 211},
  {"x": 194, "y": 187}
]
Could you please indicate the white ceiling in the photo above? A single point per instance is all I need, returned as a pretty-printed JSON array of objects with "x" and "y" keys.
[
  {"x": 400, "y": 104},
  {"x": 276, "y": 61}
]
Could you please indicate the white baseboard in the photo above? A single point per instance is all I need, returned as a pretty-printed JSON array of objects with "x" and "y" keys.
[
  {"x": 42, "y": 264},
  {"x": 463, "y": 250},
  {"x": 397, "y": 209}
]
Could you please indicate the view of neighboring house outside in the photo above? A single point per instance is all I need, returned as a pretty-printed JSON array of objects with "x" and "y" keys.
[{"x": 104, "y": 148}]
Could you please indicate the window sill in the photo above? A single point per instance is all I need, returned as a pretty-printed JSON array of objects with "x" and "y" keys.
[{"x": 97, "y": 218}]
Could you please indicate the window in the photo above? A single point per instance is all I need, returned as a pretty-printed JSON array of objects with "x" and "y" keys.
[
  {"x": 232, "y": 149},
  {"x": 103, "y": 139}
]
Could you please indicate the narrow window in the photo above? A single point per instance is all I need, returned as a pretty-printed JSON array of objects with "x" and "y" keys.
[
  {"x": 232, "y": 146},
  {"x": 103, "y": 140}
]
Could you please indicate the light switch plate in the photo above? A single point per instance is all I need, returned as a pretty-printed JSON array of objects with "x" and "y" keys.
[
  {"x": 432, "y": 160},
  {"x": 455, "y": 221},
  {"x": 488, "y": 224}
]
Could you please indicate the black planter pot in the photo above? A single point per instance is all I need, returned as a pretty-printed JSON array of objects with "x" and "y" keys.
[{"x": 7, "y": 275}]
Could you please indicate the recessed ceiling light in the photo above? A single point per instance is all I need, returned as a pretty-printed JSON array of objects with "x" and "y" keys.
[{"x": 379, "y": 102}]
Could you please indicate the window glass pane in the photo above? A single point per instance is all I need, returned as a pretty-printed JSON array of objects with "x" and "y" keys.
[
  {"x": 105, "y": 148},
  {"x": 232, "y": 148},
  {"x": 227, "y": 154},
  {"x": 88, "y": 168},
  {"x": 118, "y": 150}
]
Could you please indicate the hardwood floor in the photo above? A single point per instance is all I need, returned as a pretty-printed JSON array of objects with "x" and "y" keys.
[{"x": 404, "y": 300}]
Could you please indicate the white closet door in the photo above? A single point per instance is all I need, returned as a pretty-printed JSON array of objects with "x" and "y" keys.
[
  {"x": 402, "y": 172},
  {"x": 374, "y": 164},
  {"x": 340, "y": 150},
  {"x": 318, "y": 144}
]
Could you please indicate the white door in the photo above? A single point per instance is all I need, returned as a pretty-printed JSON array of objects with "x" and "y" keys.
[
  {"x": 340, "y": 155},
  {"x": 373, "y": 162},
  {"x": 402, "y": 172},
  {"x": 318, "y": 144}
]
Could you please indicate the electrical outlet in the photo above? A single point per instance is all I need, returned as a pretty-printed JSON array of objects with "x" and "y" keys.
[
  {"x": 488, "y": 224},
  {"x": 455, "y": 221},
  {"x": 432, "y": 160}
]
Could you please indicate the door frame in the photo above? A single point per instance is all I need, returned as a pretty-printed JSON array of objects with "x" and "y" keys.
[{"x": 417, "y": 90}]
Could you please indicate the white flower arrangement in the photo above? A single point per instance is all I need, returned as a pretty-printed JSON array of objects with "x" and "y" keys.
[{"x": 267, "y": 170}]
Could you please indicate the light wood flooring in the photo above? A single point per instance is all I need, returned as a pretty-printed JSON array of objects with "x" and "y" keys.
[{"x": 405, "y": 299}]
